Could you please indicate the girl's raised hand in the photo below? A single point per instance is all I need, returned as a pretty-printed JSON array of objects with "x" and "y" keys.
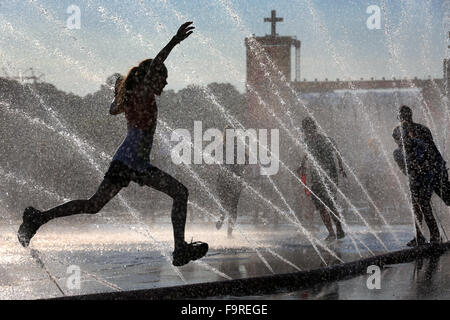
[{"x": 184, "y": 31}]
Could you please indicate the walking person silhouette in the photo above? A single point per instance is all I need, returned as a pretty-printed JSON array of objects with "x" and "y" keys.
[
  {"x": 441, "y": 184},
  {"x": 320, "y": 157},
  {"x": 135, "y": 96},
  {"x": 230, "y": 181},
  {"x": 419, "y": 159}
]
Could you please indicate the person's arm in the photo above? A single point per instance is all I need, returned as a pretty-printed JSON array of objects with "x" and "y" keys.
[
  {"x": 430, "y": 145},
  {"x": 114, "y": 109},
  {"x": 338, "y": 157},
  {"x": 183, "y": 32},
  {"x": 400, "y": 160},
  {"x": 303, "y": 165},
  {"x": 341, "y": 167},
  {"x": 426, "y": 134}
]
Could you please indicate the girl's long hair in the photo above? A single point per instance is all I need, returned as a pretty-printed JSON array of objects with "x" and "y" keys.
[{"x": 135, "y": 76}]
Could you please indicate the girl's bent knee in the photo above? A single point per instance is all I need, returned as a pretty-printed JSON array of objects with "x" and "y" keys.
[
  {"x": 185, "y": 192},
  {"x": 93, "y": 207},
  {"x": 182, "y": 192}
]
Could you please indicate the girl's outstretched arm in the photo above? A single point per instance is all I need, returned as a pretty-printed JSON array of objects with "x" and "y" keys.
[{"x": 183, "y": 32}]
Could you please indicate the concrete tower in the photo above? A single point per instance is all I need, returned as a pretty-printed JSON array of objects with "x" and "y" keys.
[{"x": 268, "y": 69}]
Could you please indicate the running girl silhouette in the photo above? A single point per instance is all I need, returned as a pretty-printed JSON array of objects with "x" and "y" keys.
[{"x": 135, "y": 96}]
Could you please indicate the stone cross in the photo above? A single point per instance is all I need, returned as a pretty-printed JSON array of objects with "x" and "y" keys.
[{"x": 274, "y": 19}]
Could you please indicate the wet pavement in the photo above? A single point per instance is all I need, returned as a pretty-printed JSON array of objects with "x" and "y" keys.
[
  {"x": 424, "y": 279},
  {"x": 116, "y": 257}
]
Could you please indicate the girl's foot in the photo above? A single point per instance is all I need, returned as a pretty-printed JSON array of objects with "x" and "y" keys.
[
  {"x": 31, "y": 222},
  {"x": 189, "y": 252},
  {"x": 340, "y": 233}
]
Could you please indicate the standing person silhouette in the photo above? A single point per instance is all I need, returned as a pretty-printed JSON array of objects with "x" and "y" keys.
[
  {"x": 415, "y": 161},
  {"x": 229, "y": 182},
  {"x": 135, "y": 96},
  {"x": 321, "y": 149}
]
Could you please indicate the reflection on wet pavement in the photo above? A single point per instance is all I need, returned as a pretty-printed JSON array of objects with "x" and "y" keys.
[
  {"x": 424, "y": 279},
  {"x": 112, "y": 258}
]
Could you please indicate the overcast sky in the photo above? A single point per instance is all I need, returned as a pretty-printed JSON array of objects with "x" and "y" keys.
[{"x": 115, "y": 35}]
